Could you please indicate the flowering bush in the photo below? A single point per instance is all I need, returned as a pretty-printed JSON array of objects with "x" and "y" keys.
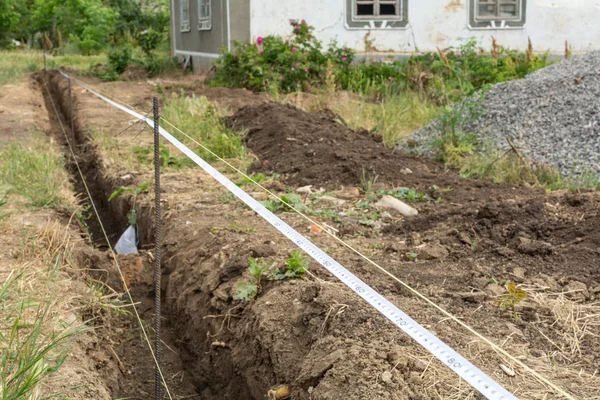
[{"x": 275, "y": 64}]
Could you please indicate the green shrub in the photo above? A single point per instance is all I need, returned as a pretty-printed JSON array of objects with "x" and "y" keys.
[
  {"x": 119, "y": 58},
  {"x": 274, "y": 64}
]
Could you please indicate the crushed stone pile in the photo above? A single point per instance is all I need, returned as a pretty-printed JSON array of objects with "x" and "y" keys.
[{"x": 552, "y": 115}]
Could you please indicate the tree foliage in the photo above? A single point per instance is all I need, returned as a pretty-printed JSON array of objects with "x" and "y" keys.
[{"x": 90, "y": 24}]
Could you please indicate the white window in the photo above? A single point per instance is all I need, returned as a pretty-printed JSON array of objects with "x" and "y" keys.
[
  {"x": 498, "y": 9},
  {"x": 497, "y": 14},
  {"x": 377, "y": 9},
  {"x": 204, "y": 15},
  {"x": 184, "y": 13}
]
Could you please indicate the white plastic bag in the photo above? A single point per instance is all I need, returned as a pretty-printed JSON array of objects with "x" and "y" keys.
[{"x": 127, "y": 243}]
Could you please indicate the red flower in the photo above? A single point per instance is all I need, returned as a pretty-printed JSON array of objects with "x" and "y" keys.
[
  {"x": 259, "y": 40},
  {"x": 294, "y": 49}
]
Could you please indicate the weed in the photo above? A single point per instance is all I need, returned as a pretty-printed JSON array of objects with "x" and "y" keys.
[
  {"x": 3, "y": 202},
  {"x": 258, "y": 178},
  {"x": 28, "y": 352},
  {"x": 410, "y": 195},
  {"x": 452, "y": 144},
  {"x": 250, "y": 289},
  {"x": 296, "y": 266},
  {"x": 368, "y": 181},
  {"x": 226, "y": 198},
  {"x": 289, "y": 202},
  {"x": 245, "y": 291},
  {"x": 513, "y": 298},
  {"x": 34, "y": 174},
  {"x": 202, "y": 122},
  {"x": 132, "y": 213},
  {"x": 412, "y": 256},
  {"x": 328, "y": 214},
  {"x": 167, "y": 160}
]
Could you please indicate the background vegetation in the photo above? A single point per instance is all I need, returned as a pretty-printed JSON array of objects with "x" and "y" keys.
[{"x": 128, "y": 31}]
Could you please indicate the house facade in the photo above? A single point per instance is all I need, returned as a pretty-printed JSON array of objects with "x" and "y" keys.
[{"x": 201, "y": 28}]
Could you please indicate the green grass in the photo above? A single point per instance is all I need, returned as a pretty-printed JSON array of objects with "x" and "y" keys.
[
  {"x": 402, "y": 114},
  {"x": 31, "y": 339},
  {"x": 393, "y": 117},
  {"x": 198, "y": 118},
  {"x": 15, "y": 64},
  {"x": 34, "y": 173}
]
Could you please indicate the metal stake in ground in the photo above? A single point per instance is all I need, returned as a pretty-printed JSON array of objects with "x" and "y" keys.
[
  {"x": 157, "y": 273},
  {"x": 71, "y": 113}
]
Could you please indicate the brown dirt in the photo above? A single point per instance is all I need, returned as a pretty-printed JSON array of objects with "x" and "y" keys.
[
  {"x": 314, "y": 148},
  {"x": 315, "y": 335}
]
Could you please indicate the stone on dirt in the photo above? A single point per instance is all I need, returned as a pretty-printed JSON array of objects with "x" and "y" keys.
[
  {"x": 395, "y": 204},
  {"x": 433, "y": 251}
]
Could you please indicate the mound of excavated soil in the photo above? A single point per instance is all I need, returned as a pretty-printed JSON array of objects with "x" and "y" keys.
[{"x": 315, "y": 148}]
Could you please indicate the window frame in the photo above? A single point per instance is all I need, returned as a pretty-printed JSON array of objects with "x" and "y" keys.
[
  {"x": 497, "y": 4},
  {"x": 476, "y": 22},
  {"x": 377, "y": 9},
  {"x": 376, "y": 21},
  {"x": 184, "y": 23},
  {"x": 205, "y": 22}
]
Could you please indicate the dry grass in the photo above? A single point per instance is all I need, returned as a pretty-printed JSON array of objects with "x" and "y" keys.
[
  {"x": 38, "y": 297},
  {"x": 15, "y": 64},
  {"x": 115, "y": 149},
  {"x": 33, "y": 175},
  {"x": 572, "y": 321},
  {"x": 393, "y": 117}
]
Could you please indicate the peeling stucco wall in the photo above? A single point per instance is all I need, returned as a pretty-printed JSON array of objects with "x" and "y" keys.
[{"x": 437, "y": 23}]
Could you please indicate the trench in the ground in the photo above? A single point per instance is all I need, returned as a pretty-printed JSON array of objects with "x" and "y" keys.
[{"x": 114, "y": 222}]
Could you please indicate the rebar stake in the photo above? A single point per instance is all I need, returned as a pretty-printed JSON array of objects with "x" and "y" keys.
[
  {"x": 72, "y": 115},
  {"x": 157, "y": 272}
]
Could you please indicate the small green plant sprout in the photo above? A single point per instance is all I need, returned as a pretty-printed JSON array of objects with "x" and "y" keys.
[
  {"x": 295, "y": 267},
  {"x": 368, "y": 181},
  {"x": 246, "y": 291},
  {"x": 412, "y": 256},
  {"x": 289, "y": 202},
  {"x": 131, "y": 214},
  {"x": 513, "y": 298},
  {"x": 250, "y": 289},
  {"x": 410, "y": 195},
  {"x": 3, "y": 202}
]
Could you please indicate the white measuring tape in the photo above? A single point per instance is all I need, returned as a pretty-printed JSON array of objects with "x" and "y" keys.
[{"x": 453, "y": 360}]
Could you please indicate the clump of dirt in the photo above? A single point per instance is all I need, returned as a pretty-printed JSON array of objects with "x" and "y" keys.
[{"x": 316, "y": 148}]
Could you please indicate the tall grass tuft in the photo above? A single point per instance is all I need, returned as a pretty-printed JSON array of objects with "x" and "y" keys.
[
  {"x": 31, "y": 340},
  {"x": 33, "y": 173},
  {"x": 201, "y": 120}
]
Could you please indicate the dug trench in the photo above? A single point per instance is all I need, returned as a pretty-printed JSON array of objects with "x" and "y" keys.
[
  {"x": 314, "y": 335},
  {"x": 125, "y": 360}
]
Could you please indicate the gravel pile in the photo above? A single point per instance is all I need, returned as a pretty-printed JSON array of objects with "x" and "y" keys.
[{"x": 552, "y": 115}]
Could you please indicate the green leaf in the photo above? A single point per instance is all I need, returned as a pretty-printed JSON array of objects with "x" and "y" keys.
[
  {"x": 141, "y": 188},
  {"x": 119, "y": 192},
  {"x": 245, "y": 291},
  {"x": 132, "y": 217}
]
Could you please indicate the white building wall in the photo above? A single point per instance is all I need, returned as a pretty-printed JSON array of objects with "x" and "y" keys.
[{"x": 437, "y": 23}]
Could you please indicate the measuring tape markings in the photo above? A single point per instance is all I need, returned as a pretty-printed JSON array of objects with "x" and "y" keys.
[{"x": 453, "y": 360}]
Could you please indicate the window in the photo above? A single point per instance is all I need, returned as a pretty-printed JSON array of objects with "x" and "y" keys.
[
  {"x": 184, "y": 13},
  {"x": 498, "y": 9},
  {"x": 369, "y": 9},
  {"x": 382, "y": 14},
  {"x": 497, "y": 14},
  {"x": 204, "y": 15}
]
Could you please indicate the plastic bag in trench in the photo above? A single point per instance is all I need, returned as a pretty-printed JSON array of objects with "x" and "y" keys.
[{"x": 127, "y": 243}]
